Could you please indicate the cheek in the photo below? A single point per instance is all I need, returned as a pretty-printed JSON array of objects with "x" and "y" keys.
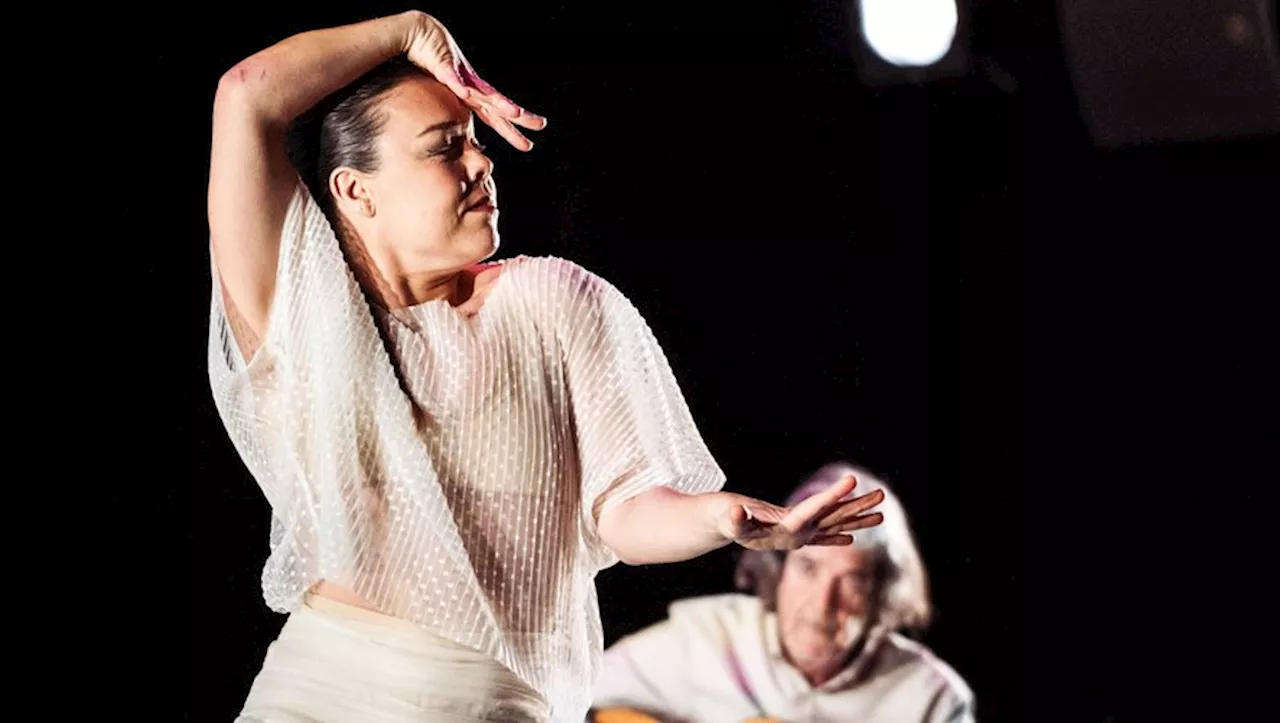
[
  {"x": 444, "y": 187},
  {"x": 786, "y": 599},
  {"x": 858, "y": 604},
  {"x": 427, "y": 191}
]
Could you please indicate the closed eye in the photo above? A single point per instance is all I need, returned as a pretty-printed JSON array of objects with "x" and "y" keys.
[
  {"x": 455, "y": 147},
  {"x": 451, "y": 149}
]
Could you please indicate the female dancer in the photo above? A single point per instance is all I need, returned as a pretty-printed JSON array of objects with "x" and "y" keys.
[{"x": 451, "y": 449}]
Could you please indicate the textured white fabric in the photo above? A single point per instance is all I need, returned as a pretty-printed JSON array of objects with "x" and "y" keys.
[{"x": 473, "y": 516}]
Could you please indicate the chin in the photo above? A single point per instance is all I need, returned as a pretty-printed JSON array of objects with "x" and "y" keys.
[
  {"x": 817, "y": 651},
  {"x": 483, "y": 245},
  {"x": 490, "y": 249}
]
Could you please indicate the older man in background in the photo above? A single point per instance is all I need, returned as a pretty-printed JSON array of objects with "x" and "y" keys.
[{"x": 821, "y": 639}]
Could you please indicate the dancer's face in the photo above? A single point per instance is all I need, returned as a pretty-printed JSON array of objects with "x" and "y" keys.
[
  {"x": 824, "y": 597},
  {"x": 416, "y": 213}
]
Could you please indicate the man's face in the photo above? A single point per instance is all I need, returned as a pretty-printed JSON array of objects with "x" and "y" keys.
[{"x": 824, "y": 594}]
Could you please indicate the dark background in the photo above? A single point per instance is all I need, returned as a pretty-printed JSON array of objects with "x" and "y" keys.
[{"x": 945, "y": 282}]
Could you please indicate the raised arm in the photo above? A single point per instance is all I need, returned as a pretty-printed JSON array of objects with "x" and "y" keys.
[{"x": 250, "y": 178}]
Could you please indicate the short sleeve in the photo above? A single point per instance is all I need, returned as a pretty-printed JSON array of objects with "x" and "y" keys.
[
  {"x": 634, "y": 428},
  {"x": 306, "y": 232},
  {"x": 314, "y": 309}
]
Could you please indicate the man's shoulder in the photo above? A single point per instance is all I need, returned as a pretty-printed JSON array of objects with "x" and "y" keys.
[
  {"x": 919, "y": 659},
  {"x": 697, "y": 624},
  {"x": 724, "y": 610},
  {"x": 705, "y": 623}
]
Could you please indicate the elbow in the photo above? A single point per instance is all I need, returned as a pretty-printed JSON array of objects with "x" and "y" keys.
[
  {"x": 236, "y": 81},
  {"x": 234, "y": 78},
  {"x": 630, "y": 560},
  {"x": 631, "y": 555},
  {"x": 623, "y": 552},
  {"x": 611, "y": 527},
  {"x": 234, "y": 91},
  {"x": 244, "y": 90},
  {"x": 248, "y": 73}
]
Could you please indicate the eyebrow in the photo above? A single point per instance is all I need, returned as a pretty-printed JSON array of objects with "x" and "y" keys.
[{"x": 438, "y": 127}]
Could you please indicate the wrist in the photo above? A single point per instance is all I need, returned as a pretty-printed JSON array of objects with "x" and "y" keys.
[
  {"x": 407, "y": 26},
  {"x": 716, "y": 506}
]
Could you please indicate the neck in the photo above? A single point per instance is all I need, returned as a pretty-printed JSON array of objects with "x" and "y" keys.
[
  {"x": 454, "y": 287},
  {"x": 394, "y": 287},
  {"x": 400, "y": 287},
  {"x": 819, "y": 673}
]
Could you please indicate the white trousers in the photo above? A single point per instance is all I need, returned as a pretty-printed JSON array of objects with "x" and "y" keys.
[{"x": 337, "y": 663}]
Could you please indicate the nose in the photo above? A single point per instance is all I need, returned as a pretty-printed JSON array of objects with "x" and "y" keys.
[
  {"x": 479, "y": 166},
  {"x": 824, "y": 601},
  {"x": 831, "y": 594}
]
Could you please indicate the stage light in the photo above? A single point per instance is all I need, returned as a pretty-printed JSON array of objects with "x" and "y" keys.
[
  {"x": 915, "y": 33},
  {"x": 907, "y": 42}
]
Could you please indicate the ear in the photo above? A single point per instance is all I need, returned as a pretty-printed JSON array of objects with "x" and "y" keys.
[{"x": 351, "y": 192}]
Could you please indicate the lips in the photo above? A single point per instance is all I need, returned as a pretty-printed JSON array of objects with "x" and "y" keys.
[{"x": 483, "y": 201}]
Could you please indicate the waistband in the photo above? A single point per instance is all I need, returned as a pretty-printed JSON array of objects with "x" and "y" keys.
[{"x": 335, "y": 608}]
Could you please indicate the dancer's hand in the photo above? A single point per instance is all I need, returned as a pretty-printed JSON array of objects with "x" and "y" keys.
[
  {"x": 430, "y": 46},
  {"x": 822, "y": 519}
]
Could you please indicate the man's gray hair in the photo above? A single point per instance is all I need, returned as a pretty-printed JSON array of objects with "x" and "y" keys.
[{"x": 901, "y": 582}]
